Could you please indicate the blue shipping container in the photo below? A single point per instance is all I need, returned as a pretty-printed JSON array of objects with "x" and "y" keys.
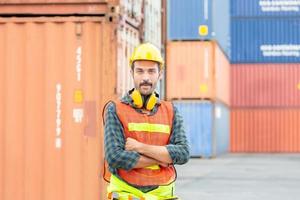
[
  {"x": 207, "y": 127},
  {"x": 262, "y": 8},
  {"x": 199, "y": 20},
  {"x": 265, "y": 40}
]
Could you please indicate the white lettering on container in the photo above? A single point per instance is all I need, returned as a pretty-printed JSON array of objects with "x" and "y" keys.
[
  {"x": 279, "y": 5},
  {"x": 280, "y": 50},
  {"x": 78, "y": 63},
  {"x": 78, "y": 115}
]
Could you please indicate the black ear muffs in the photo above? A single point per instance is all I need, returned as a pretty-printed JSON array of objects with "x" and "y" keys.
[{"x": 139, "y": 102}]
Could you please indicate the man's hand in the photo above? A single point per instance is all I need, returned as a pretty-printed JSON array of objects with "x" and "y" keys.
[{"x": 133, "y": 145}]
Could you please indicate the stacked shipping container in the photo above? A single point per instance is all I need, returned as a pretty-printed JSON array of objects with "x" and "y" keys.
[
  {"x": 198, "y": 72},
  {"x": 265, "y": 89},
  {"x": 153, "y": 31},
  {"x": 56, "y": 74}
]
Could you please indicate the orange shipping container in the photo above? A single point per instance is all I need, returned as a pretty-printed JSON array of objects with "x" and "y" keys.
[
  {"x": 128, "y": 10},
  {"x": 55, "y": 76},
  {"x": 197, "y": 69},
  {"x": 15, "y": 7},
  {"x": 265, "y": 130}
]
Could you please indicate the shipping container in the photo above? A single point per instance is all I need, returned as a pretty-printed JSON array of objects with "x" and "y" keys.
[
  {"x": 50, "y": 1},
  {"x": 265, "y": 40},
  {"x": 128, "y": 39},
  {"x": 197, "y": 69},
  {"x": 264, "y": 8},
  {"x": 54, "y": 75},
  {"x": 128, "y": 10},
  {"x": 153, "y": 30},
  {"x": 199, "y": 20},
  {"x": 265, "y": 130},
  {"x": 265, "y": 85},
  {"x": 57, "y": 7},
  {"x": 153, "y": 22},
  {"x": 207, "y": 127}
]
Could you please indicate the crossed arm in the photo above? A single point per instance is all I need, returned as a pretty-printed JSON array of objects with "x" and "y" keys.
[
  {"x": 149, "y": 154},
  {"x": 129, "y": 153}
]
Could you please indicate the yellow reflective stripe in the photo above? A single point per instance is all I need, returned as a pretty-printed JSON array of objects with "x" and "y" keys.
[
  {"x": 160, "y": 128},
  {"x": 124, "y": 190},
  {"x": 153, "y": 167}
]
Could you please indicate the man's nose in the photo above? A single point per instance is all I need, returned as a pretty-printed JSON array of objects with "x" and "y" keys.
[{"x": 146, "y": 76}]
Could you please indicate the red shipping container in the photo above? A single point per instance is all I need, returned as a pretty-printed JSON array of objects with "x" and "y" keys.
[
  {"x": 265, "y": 130},
  {"x": 261, "y": 85}
]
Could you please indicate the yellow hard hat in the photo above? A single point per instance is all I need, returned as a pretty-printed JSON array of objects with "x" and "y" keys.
[{"x": 147, "y": 51}]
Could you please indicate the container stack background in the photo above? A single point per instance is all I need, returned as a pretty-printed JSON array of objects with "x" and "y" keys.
[
  {"x": 198, "y": 71},
  {"x": 60, "y": 62},
  {"x": 232, "y": 71},
  {"x": 265, "y": 73}
]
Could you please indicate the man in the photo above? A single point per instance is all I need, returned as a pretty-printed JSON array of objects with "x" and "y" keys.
[{"x": 144, "y": 136}]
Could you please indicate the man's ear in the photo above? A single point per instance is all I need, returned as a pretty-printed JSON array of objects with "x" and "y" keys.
[
  {"x": 161, "y": 73},
  {"x": 131, "y": 71}
]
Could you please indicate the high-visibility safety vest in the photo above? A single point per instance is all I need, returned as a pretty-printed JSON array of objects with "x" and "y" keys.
[
  {"x": 120, "y": 190},
  {"x": 149, "y": 129}
]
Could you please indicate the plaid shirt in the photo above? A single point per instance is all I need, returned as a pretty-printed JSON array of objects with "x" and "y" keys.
[{"x": 114, "y": 141}]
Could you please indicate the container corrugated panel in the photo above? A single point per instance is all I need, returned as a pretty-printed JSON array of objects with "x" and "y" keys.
[
  {"x": 131, "y": 9},
  {"x": 38, "y": 7},
  {"x": 54, "y": 75},
  {"x": 153, "y": 30},
  {"x": 185, "y": 17},
  {"x": 265, "y": 85},
  {"x": 264, "y": 8},
  {"x": 265, "y": 130},
  {"x": 265, "y": 40},
  {"x": 221, "y": 24},
  {"x": 197, "y": 69},
  {"x": 221, "y": 76},
  {"x": 199, "y": 20},
  {"x": 221, "y": 128},
  {"x": 207, "y": 127},
  {"x": 152, "y": 22},
  {"x": 128, "y": 39},
  {"x": 48, "y": 1},
  {"x": 128, "y": 10}
]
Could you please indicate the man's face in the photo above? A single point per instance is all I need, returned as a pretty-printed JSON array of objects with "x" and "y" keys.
[{"x": 145, "y": 76}]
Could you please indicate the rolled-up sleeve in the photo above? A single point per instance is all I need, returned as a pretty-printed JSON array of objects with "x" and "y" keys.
[
  {"x": 114, "y": 142},
  {"x": 178, "y": 147}
]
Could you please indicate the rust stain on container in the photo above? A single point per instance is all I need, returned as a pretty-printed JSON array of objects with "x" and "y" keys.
[
  {"x": 265, "y": 130},
  {"x": 260, "y": 85},
  {"x": 197, "y": 69},
  {"x": 44, "y": 151}
]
